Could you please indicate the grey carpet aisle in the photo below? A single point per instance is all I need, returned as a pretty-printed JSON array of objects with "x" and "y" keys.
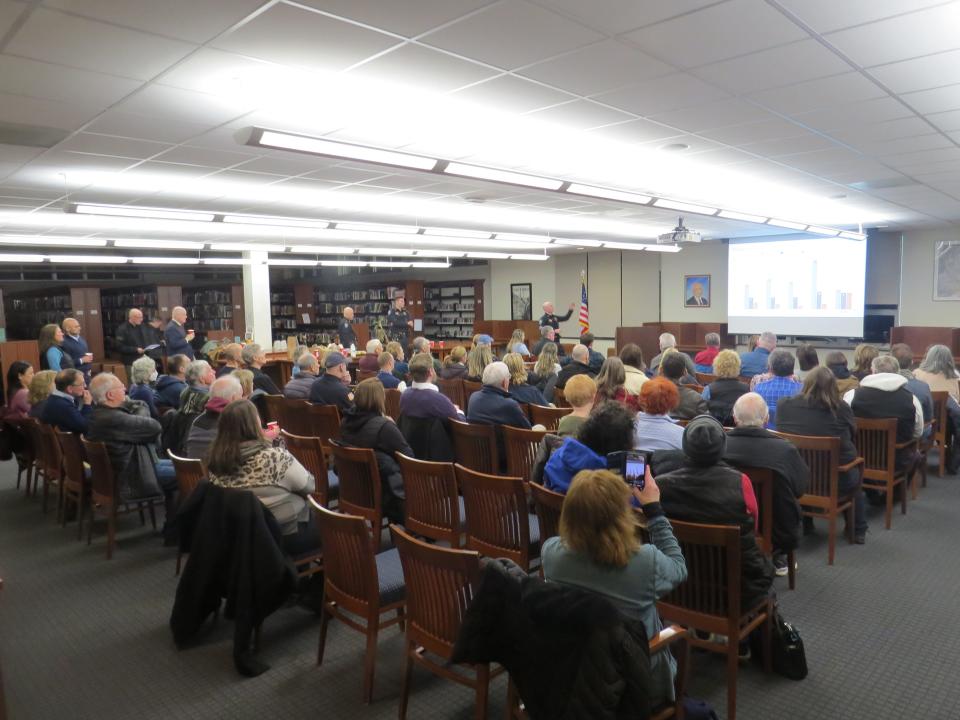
[{"x": 81, "y": 637}]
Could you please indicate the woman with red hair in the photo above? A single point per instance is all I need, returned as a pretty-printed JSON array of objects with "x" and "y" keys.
[{"x": 654, "y": 429}]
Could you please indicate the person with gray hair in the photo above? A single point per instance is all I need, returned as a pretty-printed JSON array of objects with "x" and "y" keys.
[
  {"x": 547, "y": 335},
  {"x": 143, "y": 373},
  {"x": 199, "y": 377},
  {"x": 703, "y": 361},
  {"x": 668, "y": 341},
  {"x": 749, "y": 445},
  {"x": 176, "y": 335},
  {"x": 781, "y": 382},
  {"x": 422, "y": 345},
  {"x": 309, "y": 370},
  {"x": 579, "y": 365},
  {"x": 370, "y": 363},
  {"x": 756, "y": 361},
  {"x": 254, "y": 358},
  {"x": 492, "y": 405},
  {"x": 939, "y": 371},
  {"x": 223, "y": 391}
]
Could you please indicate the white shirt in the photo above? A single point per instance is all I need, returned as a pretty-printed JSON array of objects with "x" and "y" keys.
[{"x": 423, "y": 386}]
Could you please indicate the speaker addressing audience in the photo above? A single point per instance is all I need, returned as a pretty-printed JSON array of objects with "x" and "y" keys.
[
  {"x": 552, "y": 320},
  {"x": 723, "y": 393},
  {"x": 176, "y": 335},
  {"x": 345, "y": 331},
  {"x": 781, "y": 384},
  {"x": 76, "y": 347}
]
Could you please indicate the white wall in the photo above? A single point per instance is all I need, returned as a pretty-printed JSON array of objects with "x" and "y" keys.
[
  {"x": 541, "y": 275},
  {"x": 917, "y": 306}
]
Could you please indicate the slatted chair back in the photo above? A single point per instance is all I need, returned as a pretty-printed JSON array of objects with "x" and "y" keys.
[
  {"x": 547, "y": 416},
  {"x": 52, "y": 459},
  {"x": 74, "y": 479},
  {"x": 877, "y": 444},
  {"x": 521, "y": 449},
  {"x": 393, "y": 403},
  {"x": 350, "y": 572},
  {"x": 822, "y": 457},
  {"x": 309, "y": 452},
  {"x": 365, "y": 375},
  {"x": 103, "y": 483},
  {"x": 559, "y": 399},
  {"x": 549, "y": 505},
  {"x": 324, "y": 423},
  {"x": 360, "y": 490},
  {"x": 940, "y": 429},
  {"x": 762, "y": 480},
  {"x": 475, "y": 446},
  {"x": 705, "y": 378},
  {"x": 497, "y": 519},
  {"x": 469, "y": 388},
  {"x": 453, "y": 389},
  {"x": 295, "y": 416},
  {"x": 432, "y": 506},
  {"x": 190, "y": 473}
]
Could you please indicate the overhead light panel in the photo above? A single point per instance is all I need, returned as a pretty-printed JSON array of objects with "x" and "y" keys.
[
  {"x": 608, "y": 194},
  {"x": 504, "y": 176},
  {"x": 430, "y": 264},
  {"x": 319, "y": 146},
  {"x": 50, "y": 241},
  {"x": 90, "y": 259},
  {"x": 624, "y": 246},
  {"x": 441, "y": 253},
  {"x": 731, "y": 215},
  {"x": 275, "y": 221},
  {"x": 523, "y": 256},
  {"x": 322, "y": 249},
  {"x": 399, "y": 252},
  {"x": 459, "y": 233},
  {"x": 386, "y": 264},
  {"x": 488, "y": 255},
  {"x": 225, "y": 261},
  {"x": 822, "y": 230},
  {"x": 246, "y": 247},
  {"x": 852, "y": 235},
  {"x": 522, "y": 237},
  {"x": 292, "y": 263},
  {"x": 661, "y": 248},
  {"x": 377, "y": 227},
  {"x": 165, "y": 261},
  {"x": 19, "y": 258},
  {"x": 343, "y": 263},
  {"x": 573, "y": 242},
  {"x": 158, "y": 244},
  {"x": 684, "y": 207},
  {"x": 787, "y": 224},
  {"x": 142, "y": 212}
]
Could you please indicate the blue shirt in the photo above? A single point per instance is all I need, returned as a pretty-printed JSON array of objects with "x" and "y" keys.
[
  {"x": 774, "y": 389},
  {"x": 656, "y": 432},
  {"x": 754, "y": 363},
  {"x": 388, "y": 380}
]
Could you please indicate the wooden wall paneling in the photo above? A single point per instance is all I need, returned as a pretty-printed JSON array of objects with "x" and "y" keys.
[
  {"x": 362, "y": 331},
  {"x": 413, "y": 293},
  {"x": 168, "y": 297},
  {"x": 85, "y": 303},
  {"x": 239, "y": 316},
  {"x": 478, "y": 300},
  {"x": 920, "y": 338},
  {"x": 303, "y": 300},
  {"x": 646, "y": 336}
]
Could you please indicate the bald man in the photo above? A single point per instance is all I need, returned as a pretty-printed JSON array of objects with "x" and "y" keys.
[
  {"x": 177, "y": 336},
  {"x": 348, "y": 337},
  {"x": 131, "y": 338},
  {"x": 76, "y": 347}
]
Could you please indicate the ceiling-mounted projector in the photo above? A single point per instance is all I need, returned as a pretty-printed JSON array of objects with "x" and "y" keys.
[{"x": 680, "y": 234}]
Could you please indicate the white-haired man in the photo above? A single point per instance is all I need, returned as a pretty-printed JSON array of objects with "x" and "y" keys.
[
  {"x": 667, "y": 341},
  {"x": 199, "y": 376},
  {"x": 554, "y": 320},
  {"x": 254, "y": 358},
  {"x": 492, "y": 405},
  {"x": 309, "y": 370},
  {"x": 756, "y": 361},
  {"x": 371, "y": 361},
  {"x": 345, "y": 331},
  {"x": 223, "y": 392},
  {"x": 176, "y": 335}
]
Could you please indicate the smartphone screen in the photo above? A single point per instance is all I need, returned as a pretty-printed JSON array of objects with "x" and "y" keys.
[{"x": 634, "y": 469}]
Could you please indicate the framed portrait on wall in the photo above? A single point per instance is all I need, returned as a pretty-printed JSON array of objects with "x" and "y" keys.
[
  {"x": 696, "y": 291},
  {"x": 521, "y": 306},
  {"x": 946, "y": 271}
]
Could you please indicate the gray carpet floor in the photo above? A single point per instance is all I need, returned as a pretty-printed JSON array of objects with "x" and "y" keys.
[{"x": 81, "y": 637}]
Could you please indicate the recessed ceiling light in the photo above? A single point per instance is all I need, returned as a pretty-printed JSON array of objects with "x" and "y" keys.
[
  {"x": 504, "y": 176},
  {"x": 319, "y": 146},
  {"x": 787, "y": 224},
  {"x": 141, "y": 212},
  {"x": 675, "y": 147},
  {"x": 684, "y": 206},
  {"x": 608, "y": 194}
]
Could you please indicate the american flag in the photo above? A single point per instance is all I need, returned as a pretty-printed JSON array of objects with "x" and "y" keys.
[{"x": 584, "y": 307}]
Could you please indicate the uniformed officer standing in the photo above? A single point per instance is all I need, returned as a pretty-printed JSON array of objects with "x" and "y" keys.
[
  {"x": 548, "y": 318},
  {"x": 345, "y": 329},
  {"x": 399, "y": 323}
]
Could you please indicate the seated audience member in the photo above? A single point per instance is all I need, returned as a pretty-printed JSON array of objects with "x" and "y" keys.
[
  {"x": 231, "y": 354},
  {"x": 919, "y": 388},
  {"x": 492, "y": 405},
  {"x": 750, "y": 444},
  {"x": 41, "y": 387},
  {"x": 836, "y": 362},
  {"x": 19, "y": 377},
  {"x": 400, "y": 367},
  {"x": 479, "y": 357},
  {"x": 52, "y": 355},
  {"x": 686, "y": 378},
  {"x": 611, "y": 385},
  {"x": 332, "y": 388},
  {"x": 608, "y": 429},
  {"x": 224, "y": 391},
  {"x": 143, "y": 371},
  {"x": 171, "y": 386},
  {"x": 299, "y": 387},
  {"x": 691, "y": 403},
  {"x": 421, "y": 345},
  {"x": 423, "y": 399},
  {"x": 245, "y": 378},
  {"x": 386, "y": 376},
  {"x": 819, "y": 411},
  {"x": 520, "y": 389},
  {"x": 863, "y": 355},
  {"x": 706, "y": 490},
  {"x": 367, "y": 425},
  {"x": 547, "y": 335},
  {"x": 939, "y": 372},
  {"x": 723, "y": 392},
  {"x": 199, "y": 377},
  {"x": 595, "y": 360},
  {"x": 580, "y": 392},
  {"x": 69, "y": 406},
  {"x": 756, "y": 361},
  {"x": 298, "y": 352},
  {"x": 883, "y": 394},
  {"x": 654, "y": 429},
  {"x": 241, "y": 458},
  {"x": 254, "y": 359},
  {"x": 517, "y": 343},
  {"x": 545, "y": 370},
  {"x": 780, "y": 385},
  {"x": 807, "y": 360},
  {"x": 669, "y": 342},
  {"x": 369, "y": 362},
  {"x": 453, "y": 365},
  {"x": 131, "y": 435},
  {"x": 599, "y": 549},
  {"x": 703, "y": 361},
  {"x": 579, "y": 365},
  {"x": 632, "y": 357}
]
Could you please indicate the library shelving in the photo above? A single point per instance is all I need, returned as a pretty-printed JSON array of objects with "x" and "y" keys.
[
  {"x": 216, "y": 311},
  {"x": 29, "y": 310},
  {"x": 450, "y": 309}
]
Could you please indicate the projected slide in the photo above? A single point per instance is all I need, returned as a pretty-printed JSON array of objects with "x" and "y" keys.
[{"x": 797, "y": 287}]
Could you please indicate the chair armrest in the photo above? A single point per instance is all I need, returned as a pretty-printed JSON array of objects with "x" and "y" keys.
[
  {"x": 908, "y": 443},
  {"x": 850, "y": 465},
  {"x": 667, "y": 637}
]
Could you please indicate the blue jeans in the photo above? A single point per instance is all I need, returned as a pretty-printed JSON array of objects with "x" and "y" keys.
[
  {"x": 849, "y": 482},
  {"x": 166, "y": 475}
]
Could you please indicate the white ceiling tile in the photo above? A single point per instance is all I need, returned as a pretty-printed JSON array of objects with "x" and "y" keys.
[
  {"x": 730, "y": 111},
  {"x": 344, "y": 175},
  {"x": 598, "y": 68},
  {"x": 17, "y": 154},
  {"x": 511, "y": 34},
  {"x": 715, "y": 33},
  {"x": 301, "y": 38},
  {"x": 399, "y": 182},
  {"x": 821, "y": 159},
  {"x": 920, "y": 73},
  {"x": 424, "y": 69},
  {"x": 409, "y": 18},
  {"x": 661, "y": 95},
  {"x": 216, "y": 71},
  {"x": 924, "y": 32},
  {"x": 946, "y": 121},
  {"x": 853, "y": 115},
  {"x": 112, "y": 145},
  {"x": 286, "y": 164},
  {"x": 882, "y": 148},
  {"x": 580, "y": 115},
  {"x": 115, "y": 122},
  {"x": 755, "y": 132},
  {"x": 55, "y": 37},
  {"x": 635, "y": 131},
  {"x": 723, "y": 156},
  {"x": 618, "y": 16},
  {"x": 183, "y": 105},
  {"x": 808, "y": 142},
  {"x": 826, "y": 15},
  {"x": 48, "y": 113},
  {"x": 512, "y": 94},
  {"x": 21, "y": 76},
  {"x": 208, "y": 157},
  {"x": 890, "y": 130},
  {"x": 9, "y": 13},
  {"x": 935, "y": 100},
  {"x": 951, "y": 154},
  {"x": 820, "y": 93},
  {"x": 184, "y": 19}
]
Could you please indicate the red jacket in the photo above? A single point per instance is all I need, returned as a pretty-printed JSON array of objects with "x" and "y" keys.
[{"x": 706, "y": 357}]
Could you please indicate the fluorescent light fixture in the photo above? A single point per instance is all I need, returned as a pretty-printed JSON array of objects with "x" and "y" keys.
[
  {"x": 852, "y": 235},
  {"x": 731, "y": 215},
  {"x": 142, "y": 212},
  {"x": 165, "y": 261},
  {"x": 159, "y": 244},
  {"x": 292, "y": 263},
  {"x": 90, "y": 259},
  {"x": 51, "y": 241},
  {"x": 624, "y": 246},
  {"x": 14, "y": 258},
  {"x": 459, "y": 233},
  {"x": 822, "y": 230},
  {"x": 572, "y": 242},
  {"x": 399, "y": 252},
  {"x": 275, "y": 221},
  {"x": 377, "y": 227},
  {"x": 246, "y": 247},
  {"x": 385, "y": 264},
  {"x": 488, "y": 255},
  {"x": 318, "y": 146},
  {"x": 430, "y": 264},
  {"x": 441, "y": 253},
  {"x": 225, "y": 261},
  {"x": 322, "y": 249},
  {"x": 343, "y": 263},
  {"x": 523, "y": 256},
  {"x": 661, "y": 248},
  {"x": 504, "y": 176},
  {"x": 520, "y": 237},
  {"x": 787, "y": 224},
  {"x": 608, "y": 194},
  {"x": 684, "y": 207}
]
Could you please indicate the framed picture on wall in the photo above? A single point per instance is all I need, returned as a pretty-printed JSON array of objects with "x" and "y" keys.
[
  {"x": 521, "y": 307},
  {"x": 696, "y": 291},
  {"x": 946, "y": 271}
]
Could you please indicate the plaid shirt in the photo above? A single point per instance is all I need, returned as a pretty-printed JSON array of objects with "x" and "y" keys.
[{"x": 774, "y": 389}]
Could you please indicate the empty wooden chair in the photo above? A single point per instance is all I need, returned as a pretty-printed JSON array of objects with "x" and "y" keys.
[
  {"x": 272, "y": 408},
  {"x": 521, "y": 447},
  {"x": 190, "y": 473},
  {"x": 324, "y": 424},
  {"x": 877, "y": 444},
  {"x": 52, "y": 459},
  {"x": 547, "y": 416},
  {"x": 310, "y": 453},
  {"x": 498, "y": 522},
  {"x": 548, "y": 505},
  {"x": 475, "y": 446},
  {"x": 392, "y": 396},
  {"x": 294, "y": 416},
  {"x": 453, "y": 389},
  {"x": 359, "y": 582},
  {"x": 469, "y": 388},
  {"x": 440, "y": 583},
  {"x": 710, "y": 598},
  {"x": 433, "y": 507},
  {"x": 360, "y": 489},
  {"x": 76, "y": 487},
  {"x": 940, "y": 429}
]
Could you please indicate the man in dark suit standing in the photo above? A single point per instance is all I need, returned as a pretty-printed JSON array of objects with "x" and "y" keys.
[
  {"x": 348, "y": 336},
  {"x": 548, "y": 318},
  {"x": 697, "y": 299},
  {"x": 76, "y": 347},
  {"x": 177, "y": 336},
  {"x": 132, "y": 338},
  {"x": 399, "y": 323}
]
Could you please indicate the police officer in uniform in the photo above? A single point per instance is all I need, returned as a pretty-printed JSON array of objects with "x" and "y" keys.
[
  {"x": 399, "y": 322},
  {"x": 548, "y": 318},
  {"x": 345, "y": 329}
]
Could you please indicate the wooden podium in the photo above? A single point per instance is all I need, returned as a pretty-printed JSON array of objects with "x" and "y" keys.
[{"x": 920, "y": 338}]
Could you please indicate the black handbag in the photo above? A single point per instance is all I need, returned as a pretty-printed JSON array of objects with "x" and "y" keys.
[{"x": 789, "y": 656}]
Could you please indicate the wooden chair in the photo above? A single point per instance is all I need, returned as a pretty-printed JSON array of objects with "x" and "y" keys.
[
  {"x": 393, "y": 403},
  {"x": 365, "y": 375},
  {"x": 521, "y": 448},
  {"x": 76, "y": 486},
  {"x": 453, "y": 389},
  {"x": 548, "y": 505},
  {"x": 822, "y": 499},
  {"x": 705, "y": 378},
  {"x": 762, "y": 480},
  {"x": 26, "y": 456},
  {"x": 710, "y": 598},
  {"x": 475, "y": 446},
  {"x": 547, "y": 416},
  {"x": 190, "y": 473},
  {"x": 940, "y": 429},
  {"x": 3, "y": 695},
  {"x": 358, "y": 582},
  {"x": 295, "y": 417},
  {"x": 310, "y": 453},
  {"x": 34, "y": 437},
  {"x": 498, "y": 523},
  {"x": 693, "y": 386},
  {"x": 324, "y": 424},
  {"x": 433, "y": 507},
  {"x": 560, "y": 400},
  {"x": 469, "y": 388},
  {"x": 273, "y": 408},
  {"x": 52, "y": 459},
  {"x": 360, "y": 490},
  {"x": 105, "y": 495},
  {"x": 440, "y": 585},
  {"x": 877, "y": 443}
]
